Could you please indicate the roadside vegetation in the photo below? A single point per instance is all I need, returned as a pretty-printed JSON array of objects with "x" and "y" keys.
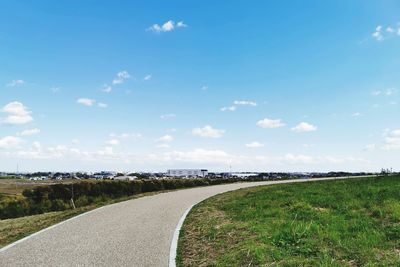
[
  {"x": 58, "y": 197},
  {"x": 354, "y": 222}
]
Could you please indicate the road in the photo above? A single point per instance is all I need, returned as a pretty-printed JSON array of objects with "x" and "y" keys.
[{"x": 132, "y": 233}]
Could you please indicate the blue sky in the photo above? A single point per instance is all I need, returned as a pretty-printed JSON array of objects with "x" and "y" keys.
[{"x": 152, "y": 85}]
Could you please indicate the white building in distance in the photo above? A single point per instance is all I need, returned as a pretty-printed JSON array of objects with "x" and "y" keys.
[{"x": 187, "y": 173}]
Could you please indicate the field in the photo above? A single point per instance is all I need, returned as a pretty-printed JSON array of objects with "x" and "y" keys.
[
  {"x": 14, "y": 187},
  {"x": 353, "y": 222}
]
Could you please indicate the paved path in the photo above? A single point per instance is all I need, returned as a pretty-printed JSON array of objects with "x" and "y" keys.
[{"x": 132, "y": 233}]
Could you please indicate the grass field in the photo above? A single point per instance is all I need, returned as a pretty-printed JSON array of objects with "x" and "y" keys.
[
  {"x": 353, "y": 222},
  {"x": 14, "y": 187}
]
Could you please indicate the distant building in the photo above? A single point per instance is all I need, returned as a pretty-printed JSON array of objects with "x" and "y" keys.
[
  {"x": 124, "y": 178},
  {"x": 187, "y": 173}
]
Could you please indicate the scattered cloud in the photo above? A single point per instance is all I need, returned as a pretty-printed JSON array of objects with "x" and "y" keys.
[
  {"x": 303, "y": 127},
  {"x": 370, "y": 147},
  {"x": 165, "y": 139},
  {"x": 168, "y": 116},
  {"x": 121, "y": 77},
  {"x": 204, "y": 88},
  {"x": 208, "y": 131},
  {"x": 376, "y": 93},
  {"x": 387, "y": 92},
  {"x": 168, "y": 26},
  {"x": 102, "y": 105},
  {"x": 86, "y": 101},
  {"x": 390, "y": 91},
  {"x": 181, "y": 24},
  {"x": 75, "y": 141},
  {"x": 244, "y": 103},
  {"x": 392, "y": 140},
  {"x": 147, "y": 77},
  {"x": 381, "y": 33},
  {"x": 127, "y": 135},
  {"x": 356, "y": 115},
  {"x": 237, "y": 103},
  {"x": 106, "y": 88},
  {"x": 255, "y": 144},
  {"x": 15, "y": 83},
  {"x": 270, "y": 123},
  {"x": 377, "y": 34},
  {"x": 55, "y": 89},
  {"x": 308, "y": 145},
  {"x": 17, "y": 113},
  {"x": 8, "y": 142},
  {"x": 113, "y": 142},
  {"x": 231, "y": 108},
  {"x": 30, "y": 132},
  {"x": 163, "y": 146}
]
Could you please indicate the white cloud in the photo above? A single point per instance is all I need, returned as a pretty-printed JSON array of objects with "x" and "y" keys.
[
  {"x": 15, "y": 83},
  {"x": 163, "y": 146},
  {"x": 102, "y": 105},
  {"x": 168, "y": 116},
  {"x": 106, "y": 89},
  {"x": 377, "y": 34},
  {"x": 107, "y": 151},
  {"x": 147, "y": 77},
  {"x": 390, "y": 29},
  {"x": 55, "y": 89},
  {"x": 370, "y": 147},
  {"x": 30, "y": 132},
  {"x": 200, "y": 156},
  {"x": 167, "y": 26},
  {"x": 17, "y": 113},
  {"x": 231, "y": 108},
  {"x": 356, "y": 114},
  {"x": 127, "y": 135},
  {"x": 181, "y": 24},
  {"x": 387, "y": 92},
  {"x": 8, "y": 142},
  {"x": 308, "y": 145},
  {"x": 255, "y": 144},
  {"x": 270, "y": 123},
  {"x": 165, "y": 139},
  {"x": 390, "y": 91},
  {"x": 381, "y": 34},
  {"x": 86, "y": 101},
  {"x": 245, "y": 103},
  {"x": 204, "y": 88},
  {"x": 376, "y": 93},
  {"x": 304, "y": 127},
  {"x": 392, "y": 140},
  {"x": 208, "y": 131},
  {"x": 113, "y": 142},
  {"x": 121, "y": 77}
]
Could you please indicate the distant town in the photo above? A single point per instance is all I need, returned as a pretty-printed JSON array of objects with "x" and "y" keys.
[{"x": 178, "y": 173}]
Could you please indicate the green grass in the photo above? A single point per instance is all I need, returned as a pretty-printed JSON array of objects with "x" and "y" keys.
[{"x": 353, "y": 222}]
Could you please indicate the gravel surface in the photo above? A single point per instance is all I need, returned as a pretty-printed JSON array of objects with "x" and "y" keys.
[{"x": 132, "y": 233}]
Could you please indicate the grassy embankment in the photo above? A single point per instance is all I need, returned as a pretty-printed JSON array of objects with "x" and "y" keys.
[
  {"x": 14, "y": 229},
  {"x": 353, "y": 222}
]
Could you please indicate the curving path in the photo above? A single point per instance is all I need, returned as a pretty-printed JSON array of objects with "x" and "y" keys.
[{"x": 132, "y": 233}]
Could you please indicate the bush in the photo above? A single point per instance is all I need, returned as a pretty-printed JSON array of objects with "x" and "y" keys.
[{"x": 57, "y": 197}]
